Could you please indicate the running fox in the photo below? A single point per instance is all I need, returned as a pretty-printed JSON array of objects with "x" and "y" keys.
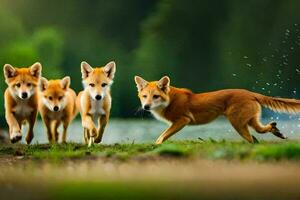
[
  {"x": 180, "y": 107},
  {"x": 21, "y": 99},
  {"x": 57, "y": 105},
  {"x": 94, "y": 102}
]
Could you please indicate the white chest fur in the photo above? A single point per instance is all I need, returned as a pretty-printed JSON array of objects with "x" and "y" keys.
[
  {"x": 23, "y": 109},
  {"x": 158, "y": 116},
  {"x": 96, "y": 107}
]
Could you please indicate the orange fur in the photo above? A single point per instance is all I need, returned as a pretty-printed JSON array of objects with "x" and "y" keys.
[
  {"x": 57, "y": 105},
  {"x": 181, "y": 107},
  {"x": 94, "y": 102},
  {"x": 21, "y": 99}
]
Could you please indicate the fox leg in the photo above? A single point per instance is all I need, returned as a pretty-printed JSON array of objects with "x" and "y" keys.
[
  {"x": 174, "y": 128},
  {"x": 242, "y": 128},
  {"x": 271, "y": 127},
  {"x": 88, "y": 123},
  {"x": 102, "y": 122},
  {"x": 47, "y": 122},
  {"x": 31, "y": 123},
  {"x": 64, "y": 136},
  {"x": 14, "y": 127},
  {"x": 91, "y": 139},
  {"x": 86, "y": 135},
  {"x": 55, "y": 131}
]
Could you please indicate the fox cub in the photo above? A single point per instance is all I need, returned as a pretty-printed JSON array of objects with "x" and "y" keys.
[
  {"x": 57, "y": 106},
  {"x": 21, "y": 99},
  {"x": 94, "y": 102},
  {"x": 180, "y": 107}
]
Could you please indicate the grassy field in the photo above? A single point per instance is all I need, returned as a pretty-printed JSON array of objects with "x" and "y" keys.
[
  {"x": 180, "y": 149},
  {"x": 174, "y": 170}
]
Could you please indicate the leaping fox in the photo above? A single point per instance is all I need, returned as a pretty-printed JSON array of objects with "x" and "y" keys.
[{"x": 180, "y": 107}]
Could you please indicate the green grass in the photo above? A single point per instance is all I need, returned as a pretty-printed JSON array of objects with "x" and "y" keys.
[{"x": 207, "y": 150}]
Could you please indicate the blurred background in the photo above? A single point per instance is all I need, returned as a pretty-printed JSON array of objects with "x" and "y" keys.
[{"x": 202, "y": 45}]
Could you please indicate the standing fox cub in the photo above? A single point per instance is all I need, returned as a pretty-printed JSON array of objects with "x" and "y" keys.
[
  {"x": 180, "y": 107},
  {"x": 57, "y": 105},
  {"x": 94, "y": 102},
  {"x": 21, "y": 99}
]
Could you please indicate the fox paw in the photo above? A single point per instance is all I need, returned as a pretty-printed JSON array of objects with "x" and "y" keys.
[
  {"x": 276, "y": 131},
  {"x": 15, "y": 137},
  {"x": 93, "y": 132}
]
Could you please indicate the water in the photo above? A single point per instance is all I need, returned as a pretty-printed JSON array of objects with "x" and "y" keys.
[{"x": 139, "y": 131}]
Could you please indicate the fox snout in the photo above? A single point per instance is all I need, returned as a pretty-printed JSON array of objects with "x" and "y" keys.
[
  {"x": 147, "y": 106},
  {"x": 55, "y": 108},
  {"x": 24, "y": 95},
  {"x": 98, "y": 97}
]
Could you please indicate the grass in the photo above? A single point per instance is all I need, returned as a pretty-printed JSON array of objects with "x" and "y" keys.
[
  {"x": 173, "y": 170},
  {"x": 185, "y": 149}
]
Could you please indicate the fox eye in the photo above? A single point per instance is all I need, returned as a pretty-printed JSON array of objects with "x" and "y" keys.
[
  {"x": 145, "y": 96},
  {"x": 28, "y": 84},
  {"x": 92, "y": 84},
  {"x": 60, "y": 97},
  {"x": 104, "y": 84},
  {"x": 50, "y": 98},
  {"x": 18, "y": 84},
  {"x": 155, "y": 96}
]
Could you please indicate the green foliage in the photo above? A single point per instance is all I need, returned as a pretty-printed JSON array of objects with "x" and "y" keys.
[
  {"x": 48, "y": 42},
  {"x": 199, "y": 45}
]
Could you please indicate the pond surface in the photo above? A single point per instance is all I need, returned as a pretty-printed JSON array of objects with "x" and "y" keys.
[{"x": 138, "y": 131}]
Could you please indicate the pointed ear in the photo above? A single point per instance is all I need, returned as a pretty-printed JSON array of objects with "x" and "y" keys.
[
  {"x": 9, "y": 71},
  {"x": 43, "y": 84},
  {"x": 36, "y": 70},
  {"x": 110, "y": 69},
  {"x": 140, "y": 83},
  {"x": 65, "y": 82},
  {"x": 86, "y": 69},
  {"x": 164, "y": 84}
]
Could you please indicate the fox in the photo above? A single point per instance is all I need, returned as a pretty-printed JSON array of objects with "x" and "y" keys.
[
  {"x": 57, "y": 106},
  {"x": 94, "y": 102},
  {"x": 21, "y": 99},
  {"x": 179, "y": 107}
]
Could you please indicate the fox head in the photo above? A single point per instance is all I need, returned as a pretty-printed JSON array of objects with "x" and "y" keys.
[
  {"x": 97, "y": 81},
  {"x": 153, "y": 95},
  {"x": 22, "y": 82},
  {"x": 53, "y": 93}
]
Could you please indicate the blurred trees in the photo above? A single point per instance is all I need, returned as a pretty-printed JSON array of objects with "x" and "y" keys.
[{"x": 202, "y": 45}]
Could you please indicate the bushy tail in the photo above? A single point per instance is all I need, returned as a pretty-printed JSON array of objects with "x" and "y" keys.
[{"x": 280, "y": 104}]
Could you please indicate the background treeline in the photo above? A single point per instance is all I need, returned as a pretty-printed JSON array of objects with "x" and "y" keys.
[{"x": 203, "y": 45}]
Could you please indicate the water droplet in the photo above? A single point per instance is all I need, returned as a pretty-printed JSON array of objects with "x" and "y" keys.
[
  {"x": 263, "y": 88},
  {"x": 233, "y": 74},
  {"x": 245, "y": 57},
  {"x": 275, "y": 84},
  {"x": 267, "y": 83},
  {"x": 292, "y": 48},
  {"x": 297, "y": 70},
  {"x": 249, "y": 65}
]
